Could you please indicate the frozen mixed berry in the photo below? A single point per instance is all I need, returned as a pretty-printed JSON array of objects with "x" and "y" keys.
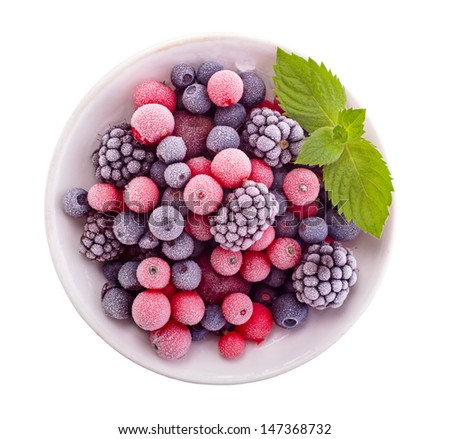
[
  {"x": 116, "y": 303},
  {"x": 302, "y": 212},
  {"x": 172, "y": 341},
  {"x": 75, "y": 202},
  {"x": 254, "y": 89},
  {"x": 196, "y": 99},
  {"x": 111, "y": 270},
  {"x": 153, "y": 273},
  {"x": 129, "y": 227},
  {"x": 198, "y": 227},
  {"x": 231, "y": 345},
  {"x": 199, "y": 247},
  {"x": 169, "y": 290},
  {"x": 157, "y": 173},
  {"x": 177, "y": 175},
  {"x": 225, "y": 88},
  {"x": 175, "y": 198},
  {"x": 171, "y": 149},
  {"x": 286, "y": 226},
  {"x": 198, "y": 332},
  {"x": 213, "y": 319},
  {"x": 282, "y": 201},
  {"x": 237, "y": 308},
  {"x": 261, "y": 172},
  {"x": 104, "y": 197},
  {"x": 255, "y": 266},
  {"x": 148, "y": 241},
  {"x": 222, "y": 137},
  {"x": 187, "y": 307},
  {"x": 258, "y": 327},
  {"x": 230, "y": 167},
  {"x": 233, "y": 116},
  {"x": 264, "y": 294},
  {"x": 166, "y": 223},
  {"x": 141, "y": 194},
  {"x": 339, "y": 228},
  {"x": 301, "y": 186},
  {"x": 279, "y": 174},
  {"x": 151, "y": 123},
  {"x": 127, "y": 276},
  {"x": 288, "y": 312},
  {"x": 199, "y": 165},
  {"x": 313, "y": 230},
  {"x": 226, "y": 262},
  {"x": 179, "y": 248},
  {"x": 284, "y": 253},
  {"x": 207, "y": 69},
  {"x": 154, "y": 92},
  {"x": 276, "y": 277},
  {"x": 266, "y": 239},
  {"x": 203, "y": 194},
  {"x": 186, "y": 275},
  {"x": 150, "y": 310},
  {"x": 182, "y": 75}
]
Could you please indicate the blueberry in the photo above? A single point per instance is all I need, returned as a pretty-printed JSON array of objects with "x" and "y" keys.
[
  {"x": 127, "y": 276},
  {"x": 182, "y": 75},
  {"x": 264, "y": 294},
  {"x": 171, "y": 149},
  {"x": 222, "y": 137},
  {"x": 196, "y": 99},
  {"x": 281, "y": 200},
  {"x": 75, "y": 202},
  {"x": 206, "y": 70},
  {"x": 179, "y": 248},
  {"x": 177, "y": 175},
  {"x": 111, "y": 270},
  {"x": 339, "y": 228},
  {"x": 313, "y": 230},
  {"x": 279, "y": 174},
  {"x": 254, "y": 89},
  {"x": 174, "y": 197},
  {"x": 233, "y": 116},
  {"x": 198, "y": 332},
  {"x": 199, "y": 246},
  {"x": 166, "y": 223},
  {"x": 116, "y": 303},
  {"x": 288, "y": 312},
  {"x": 286, "y": 226},
  {"x": 186, "y": 275},
  {"x": 128, "y": 227},
  {"x": 276, "y": 277},
  {"x": 148, "y": 241},
  {"x": 213, "y": 319},
  {"x": 157, "y": 173}
]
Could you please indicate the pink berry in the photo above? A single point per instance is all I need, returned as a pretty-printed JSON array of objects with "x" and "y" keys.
[
  {"x": 153, "y": 273},
  {"x": 151, "y": 123},
  {"x": 199, "y": 165},
  {"x": 265, "y": 240},
  {"x": 105, "y": 197},
  {"x": 226, "y": 262},
  {"x": 187, "y": 307},
  {"x": 305, "y": 211},
  {"x": 141, "y": 194},
  {"x": 202, "y": 194},
  {"x": 255, "y": 266},
  {"x": 230, "y": 167},
  {"x": 150, "y": 310},
  {"x": 237, "y": 308},
  {"x": 258, "y": 327},
  {"x": 198, "y": 226},
  {"x": 225, "y": 88},
  {"x": 154, "y": 92},
  {"x": 231, "y": 345},
  {"x": 301, "y": 186},
  {"x": 261, "y": 172},
  {"x": 284, "y": 253},
  {"x": 169, "y": 290},
  {"x": 172, "y": 341}
]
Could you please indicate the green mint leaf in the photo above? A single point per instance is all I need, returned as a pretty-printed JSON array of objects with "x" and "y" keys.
[
  {"x": 360, "y": 185},
  {"x": 353, "y": 121},
  {"x": 307, "y": 91},
  {"x": 321, "y": 147},
  {"x": 340, "y": 135}
]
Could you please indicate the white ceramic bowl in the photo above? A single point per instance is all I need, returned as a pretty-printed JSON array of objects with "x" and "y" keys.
[{"x": 110, "y": 102}]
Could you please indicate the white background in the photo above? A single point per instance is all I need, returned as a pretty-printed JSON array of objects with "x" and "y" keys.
[{"x": 387, "y": 377}]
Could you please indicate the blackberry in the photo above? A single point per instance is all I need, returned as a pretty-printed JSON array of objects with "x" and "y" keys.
[
  {"x": 98, "y": 241},
  {"x": 248, "y": 211},
  {"x": 325, "y": 275},
  {"x": 120, "y": 157},
  {"x": 273, "y": 137}
]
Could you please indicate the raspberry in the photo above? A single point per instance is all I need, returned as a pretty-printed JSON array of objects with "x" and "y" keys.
[
  {"x": 75, "y": 202},
  {"x": 153, "y": 273},
  {"x": 261, "y": 172},
  {"x": 199, "y": 165},
  {"x": 104, "y": 197},
  {"x": 254, "y": 89},
  {"x": 266, "y": 239},
  {"x": 230, "y": 167},
  {"x": 198, "y": 226},
  {"x": 150, "y": 310},
  {"x": 141, "y": 195},
  {"x": 284, "y": 253},
  {"x": 258, "y": 327},
  {"x": 172, "y": 341},
  {"x": 187, "y": 307},
  {"x": 151, "y": 123},
  {"x": 203, "y": 194},
  {"x": 154, "y": 92},
  {"x": 255, "y": 266},
  {"x": 226, "y": 262},
  {"x": 237, "y": 308},
  {"x": 231, "y": 345},
  {"x": 301, "y": 186},
  {"x": 225, "y": 88}
]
